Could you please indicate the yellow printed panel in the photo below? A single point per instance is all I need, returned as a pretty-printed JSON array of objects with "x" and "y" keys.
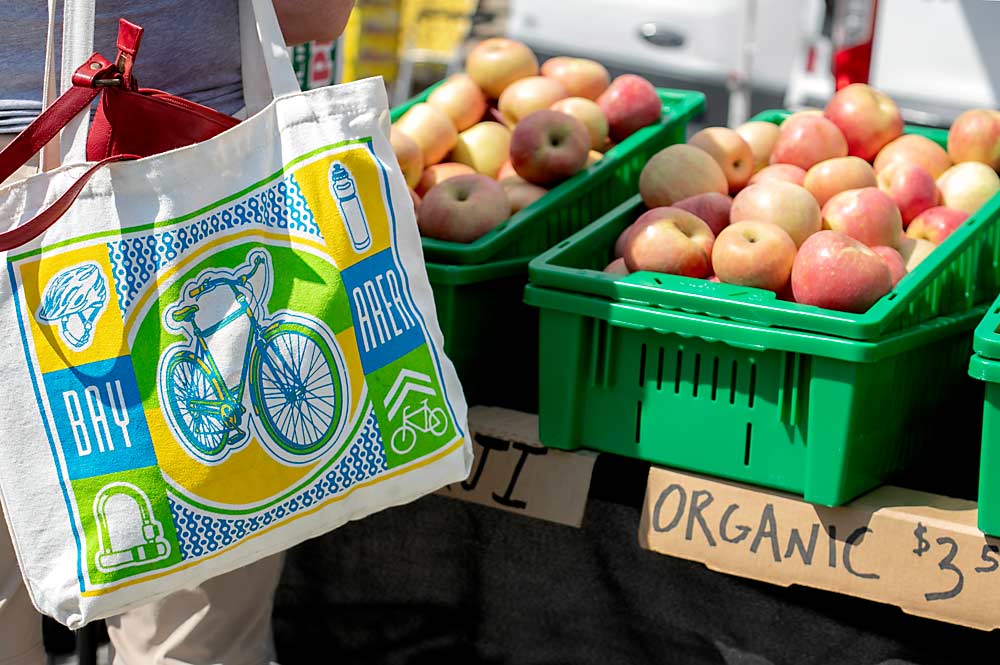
[
  {"x": 73, "y": 313},
  {"x": 344, "y": 192}
]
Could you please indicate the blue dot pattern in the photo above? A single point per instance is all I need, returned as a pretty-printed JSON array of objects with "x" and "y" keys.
[
  {"x": 135, "y": 261},
  {"x": 200, "y": 533}
]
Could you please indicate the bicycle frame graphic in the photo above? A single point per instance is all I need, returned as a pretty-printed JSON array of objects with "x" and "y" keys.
[
  {"x": 291, "y": 367},
  {"x": 422, "y": 419}
]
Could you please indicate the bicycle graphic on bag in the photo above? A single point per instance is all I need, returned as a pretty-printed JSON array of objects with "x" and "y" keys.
[{"x": 293, "y": 374}]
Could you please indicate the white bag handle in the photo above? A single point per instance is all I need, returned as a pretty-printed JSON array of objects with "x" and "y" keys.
[{"x": 267, "y": 64}]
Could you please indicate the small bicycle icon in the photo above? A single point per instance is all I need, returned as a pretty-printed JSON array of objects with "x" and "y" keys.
[
  {"x": 421, "y": 419},
  {"x": 290, "y": 369}
]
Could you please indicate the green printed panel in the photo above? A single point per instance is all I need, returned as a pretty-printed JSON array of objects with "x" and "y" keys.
[
  {"x": 410, "y": 408},
  {"x": 127, "y": 524}
]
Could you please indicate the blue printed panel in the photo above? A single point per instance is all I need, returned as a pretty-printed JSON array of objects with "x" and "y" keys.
[
  {"x": 99, "y": 418},
  {"x": 385, "y": 325},
  {"x": 201, "y": 533}
]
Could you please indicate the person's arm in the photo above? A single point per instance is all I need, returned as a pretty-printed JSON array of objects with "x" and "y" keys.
[{"x": 307, "y": 20}]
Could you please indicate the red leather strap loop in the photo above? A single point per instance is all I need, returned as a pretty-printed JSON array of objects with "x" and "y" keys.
[
  {"x": 129, "y": 39},
  {"x": 38, "y": 224}
]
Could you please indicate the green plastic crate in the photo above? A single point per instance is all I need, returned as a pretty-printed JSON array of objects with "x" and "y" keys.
[
  {"x": 490, "y": 334},
  {"x": 985, "y": 366},
  {"x": 960, "y": 274},
  {"x": 579, "y": 200}
]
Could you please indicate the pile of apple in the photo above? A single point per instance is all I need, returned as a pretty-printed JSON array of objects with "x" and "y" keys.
[
  {"x": 491, "y": 141},
  {"x": 830, "y": 209}
]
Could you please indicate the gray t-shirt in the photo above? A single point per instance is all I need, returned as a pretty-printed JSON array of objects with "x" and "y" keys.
[{"x": 190, "y": 48}]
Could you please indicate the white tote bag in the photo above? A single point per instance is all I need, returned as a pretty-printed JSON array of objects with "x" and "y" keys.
[{"x": 219, "y": 351}]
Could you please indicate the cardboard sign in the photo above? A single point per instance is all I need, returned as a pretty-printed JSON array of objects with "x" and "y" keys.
[
  {"x": 919, "y": 551},
  {"x": 513, "y": 471}
]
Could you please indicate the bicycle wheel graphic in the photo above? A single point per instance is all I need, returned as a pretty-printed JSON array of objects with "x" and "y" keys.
[
  {"x": 296, "y": 388},
  {"x": 188, "y": 382},
  {"x": 403, "y": 440},
  {"x": 438, "y": 421}
]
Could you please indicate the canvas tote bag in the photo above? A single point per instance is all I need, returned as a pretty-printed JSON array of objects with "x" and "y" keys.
[{"x": 219, "y": 351}]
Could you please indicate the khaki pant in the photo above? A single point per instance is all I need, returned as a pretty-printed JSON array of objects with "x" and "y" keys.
[{"x": 225, "y": 621}]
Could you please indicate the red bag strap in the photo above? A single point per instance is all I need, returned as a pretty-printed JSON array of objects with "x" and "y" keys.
[{"x": 88, "y": 81}]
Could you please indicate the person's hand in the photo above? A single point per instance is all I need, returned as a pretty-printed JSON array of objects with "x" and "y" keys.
[{"x": 312, "y": 20}]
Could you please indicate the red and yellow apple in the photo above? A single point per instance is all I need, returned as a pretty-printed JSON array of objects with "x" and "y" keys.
[
  {"x": 521, "y": 193},
  {"x": 975, "y": 137},
  {"x": 868, "y": 215},
  {"x": 710, "y": 207},
  {"x": 789, "y": 206},
  {"x": 431, "y": 128},
  {"x": 911, "y": 188},
  {"x": 617, "y": 267},
  {"x": 868, "y": 118},
  {"x": 805, "y": 140},
  {"x": 761, "y": 137},
  {"x": 548, "y": 146},
  {"x": 832, "y": 176},
  {"x": 460, "y": 99},
  {"x": 669, "y": 240},
  {"x": 786, "y": 172},
  {"x": 525, "y": 96},
  {"x": 914, "y": 251},
  {"x": 589, "y": 113},
  {"x": 630, "y": 103},
  {"x": 435, "y": 174},
  {"x": 409, "y": 156},
  {"x": 485, "y": 147},
  {"x": 752, "y": 253},
  {"x": 678, "y": 172},
  {"x": 935, "y": 224},
  {"x": 581, "y": 77},
  {"x": 893, "y": 261},
  {"x": 463, "y": 208},
  {"x": 729, "y": 151},
  {"x": 835, "y": 271},
  {"x": 967, "y": 186},
  {"x": 915, "y": 149},
  {"x": 497, "y": 62}
]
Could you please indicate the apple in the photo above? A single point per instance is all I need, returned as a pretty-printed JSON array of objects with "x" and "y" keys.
[
  {"x": 761, "y": 137},
  {"x": 868, "y": 118},
  {"x": 521, "y": 193},
  {"x": 669, "y": 240},
  {"x": 435, "y": 174},
  {"x": 914, "y": 251},
  {"x": 789, "y": 206},
  {"x": 506, "y": 170},
  {"x": 593, "y": 157},
  {"x": 729, "y": 151},
  {"x": 911, "y": 188},
  {"x": 710, "y": 207},
  {"x": 463, "y": 208},
  {"x": 617, "y": 267},
  {"x": 622, "y": 240},
  {"x": 677, "y": 172},
  {"x": 805, "y": 140},
  {"x": 786, "y": 172},
  {"x": 868, "y": 215},
  {"x": 835, "y": 271},
  {"x": 409, "y": 156},
  {"x": 431, "y": 128},
  {"x": 484, "y": 147},
  {"x": 975, "y": 137},
  {"x": 525, "y": 96},
  {"x": 548, "y": 146},
  {"x": 752, "y": 253},
  {"x": 893, "y": 261},
  {"x": 967, "y": 186},
  {"x": 460, "y": 99},
  {"x": 935, "y": 224},
  {"x": 589, "y": 113},
  {"x": 915, "y": 149},
  {"x": 497, "y": 62},
  {"x": 832, "y": 176},
  {"x": 581, "y": 77},
  {"x": 416, "y": 200},
  {"x": 630, "y": 103}
]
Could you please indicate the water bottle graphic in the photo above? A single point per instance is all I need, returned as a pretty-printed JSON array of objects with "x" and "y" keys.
[{"x": 346, "y": 192}]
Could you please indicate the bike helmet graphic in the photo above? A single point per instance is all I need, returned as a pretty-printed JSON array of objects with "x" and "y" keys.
[{"x": 74, "y": 299}]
